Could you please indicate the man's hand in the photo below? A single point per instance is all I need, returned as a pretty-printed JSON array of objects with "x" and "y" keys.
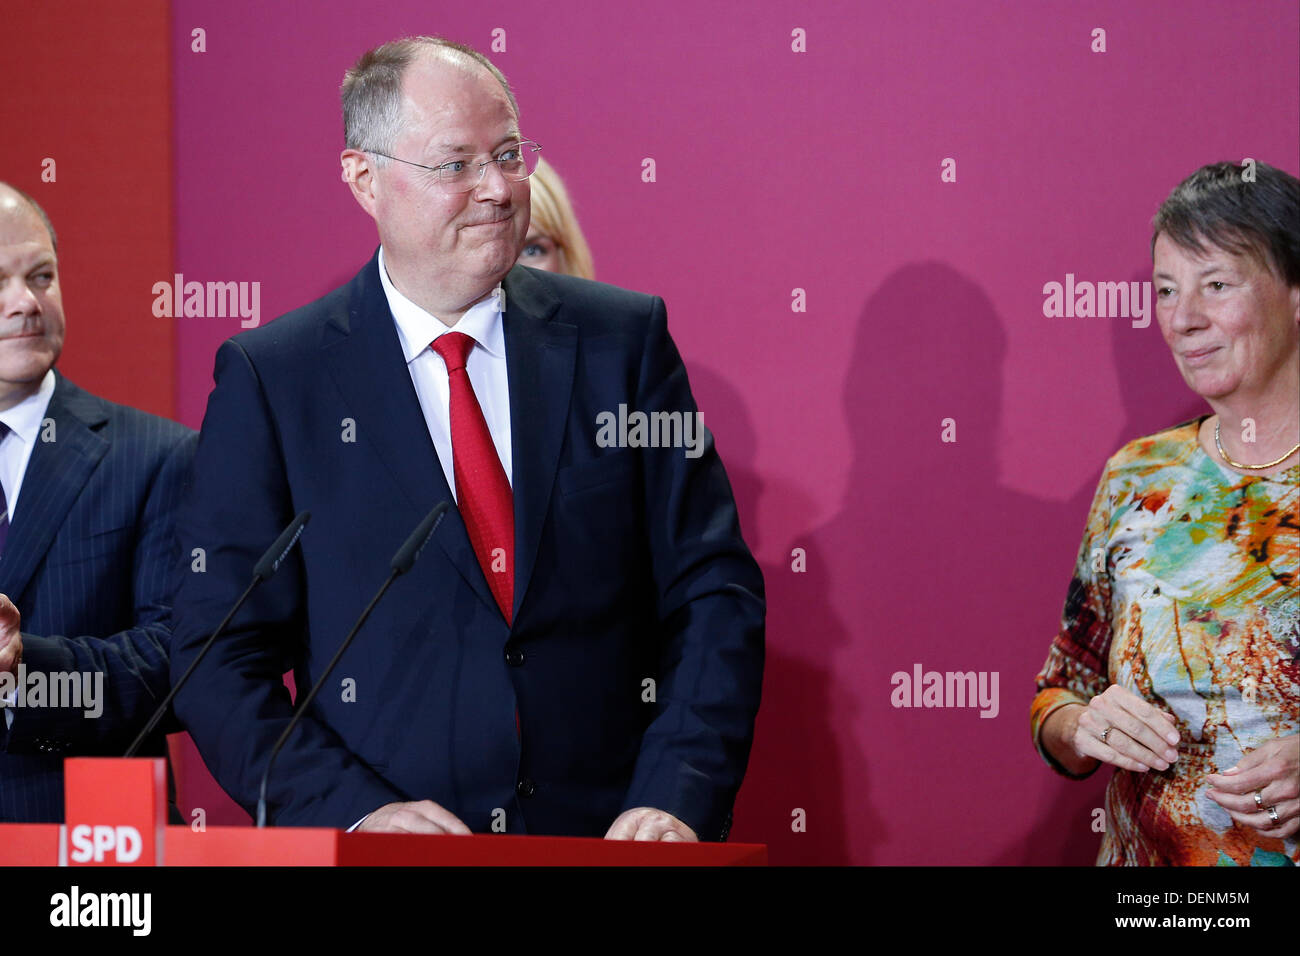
[
  {"x": 647, "y": 823},
  {"x": 1271, "y": 770},
  {"x": 422, "y": 816},
  {"x": 11, "y": 638}
]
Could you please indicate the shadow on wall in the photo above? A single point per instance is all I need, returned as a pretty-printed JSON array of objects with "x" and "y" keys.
[
  {"x": 928, "y": 560},
  {"x": 793, "y": 738}
]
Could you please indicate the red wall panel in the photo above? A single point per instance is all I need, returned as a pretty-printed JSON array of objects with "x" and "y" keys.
[{"x": 88, "y": 85}]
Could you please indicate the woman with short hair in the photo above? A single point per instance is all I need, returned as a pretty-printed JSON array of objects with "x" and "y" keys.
[{"x": 1178, "y": 657}]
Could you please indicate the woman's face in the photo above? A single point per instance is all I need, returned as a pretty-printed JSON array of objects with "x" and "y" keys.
[
  {"x": 1231, "y": 323},
  {"x": 540, "y": 252}
]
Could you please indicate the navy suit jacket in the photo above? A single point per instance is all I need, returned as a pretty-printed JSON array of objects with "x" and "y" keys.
[
  {"x": 90, "y": 563},
  {"x": 629, "y": 568}
]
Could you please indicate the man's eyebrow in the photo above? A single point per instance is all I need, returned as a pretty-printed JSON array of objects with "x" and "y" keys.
[
  {"x": 43, "y": 261},
  {"x": 466, "y": 148}
]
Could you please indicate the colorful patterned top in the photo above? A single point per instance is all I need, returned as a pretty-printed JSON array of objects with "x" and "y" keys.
[{"x": 1185, "y": 592}]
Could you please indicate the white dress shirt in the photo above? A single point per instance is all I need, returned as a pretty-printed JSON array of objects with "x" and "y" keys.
[
  {"x": 486, "y": 366},
  {"x": 24, "y": 421}
]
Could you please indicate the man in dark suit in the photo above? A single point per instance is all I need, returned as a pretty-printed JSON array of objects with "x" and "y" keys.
[
  {"x": 87, "y": 543},
  {"x": 579, "y": 648}
]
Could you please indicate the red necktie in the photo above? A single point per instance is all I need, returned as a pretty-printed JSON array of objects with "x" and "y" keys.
[{"x": 482, "y": 491}]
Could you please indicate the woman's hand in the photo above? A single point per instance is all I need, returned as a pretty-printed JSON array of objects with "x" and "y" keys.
[
  {"x": 1270, "y": 772},
  {"x": 1119, "y": 727}
]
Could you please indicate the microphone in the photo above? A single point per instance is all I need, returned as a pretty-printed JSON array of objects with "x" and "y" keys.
[
  {"x": 401, "y": 563},
  {"x": 267, "y": 566}
]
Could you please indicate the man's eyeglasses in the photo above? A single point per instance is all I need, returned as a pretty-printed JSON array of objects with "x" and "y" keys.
[{"x": 461, "y": 172}]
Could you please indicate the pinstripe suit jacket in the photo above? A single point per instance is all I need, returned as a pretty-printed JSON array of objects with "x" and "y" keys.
[{"x": 90, "y": 562}]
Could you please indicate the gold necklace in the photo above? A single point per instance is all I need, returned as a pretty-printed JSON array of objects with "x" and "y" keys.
[{"x": 1237, "y": 464}]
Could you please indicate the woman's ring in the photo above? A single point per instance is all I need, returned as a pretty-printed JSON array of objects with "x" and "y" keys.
[
  {"x": 1272, "y": 813},
  {"x": 1104, "y": 733},
  {"x": 1259, "y": 801}
]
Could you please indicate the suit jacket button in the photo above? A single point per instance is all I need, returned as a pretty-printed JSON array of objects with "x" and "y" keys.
[
  {"x": 514, "y": 657},
  {"x": 526, "y": 787}
]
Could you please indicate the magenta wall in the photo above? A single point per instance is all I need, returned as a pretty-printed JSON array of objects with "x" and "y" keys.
[{"x": 779, "y": 170}]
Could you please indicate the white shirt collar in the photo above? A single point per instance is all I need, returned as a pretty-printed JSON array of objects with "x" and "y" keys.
[
  {"x": 25, "y": 418},
  {"x": 416, "y": 328}
]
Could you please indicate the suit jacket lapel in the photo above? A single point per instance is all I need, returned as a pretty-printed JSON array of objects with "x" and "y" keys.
[
  {"x": 540, "y": 357},
  {"x": 56, "y": 474},
  {"x": 365, "y": 359}
]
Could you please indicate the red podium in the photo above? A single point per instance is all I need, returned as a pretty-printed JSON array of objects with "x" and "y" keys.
[{"x": 116, "y": 813}]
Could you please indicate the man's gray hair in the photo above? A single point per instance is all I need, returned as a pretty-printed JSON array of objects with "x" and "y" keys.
[{"x": 372, "y": 90}]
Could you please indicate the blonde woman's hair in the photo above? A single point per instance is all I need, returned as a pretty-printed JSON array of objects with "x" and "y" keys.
[{"x": 553, "y": 216}]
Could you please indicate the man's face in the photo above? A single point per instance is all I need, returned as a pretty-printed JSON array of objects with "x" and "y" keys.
[
  {"x": 31, "y": 305},
  {"x": 1229, "y": 321},
  {"x": 460, "y": 240}
]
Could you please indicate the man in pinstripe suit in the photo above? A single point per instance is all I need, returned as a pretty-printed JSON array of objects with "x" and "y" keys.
[{"x": 87, "y": 547}]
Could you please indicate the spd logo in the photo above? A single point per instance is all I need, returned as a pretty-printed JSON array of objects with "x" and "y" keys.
[{"x": 95, "y": 844}]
